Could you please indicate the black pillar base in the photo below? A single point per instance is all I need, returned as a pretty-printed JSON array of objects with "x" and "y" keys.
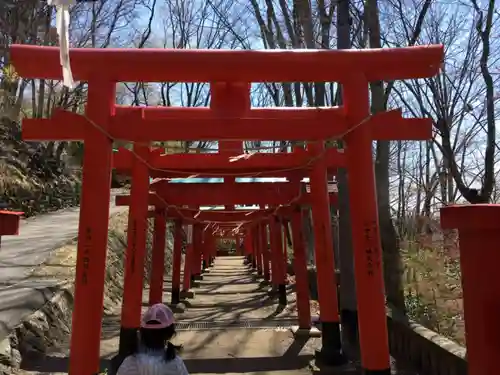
[
  {"x": 376, "y": 372},
  {"x": 197, "y": 277},
  {"x": 203, "y": 265},
  {"x": 176, "y": 296},
  {"x": 282, "y": 294},
  {"x": 349, "y": 321},
  {"x": 259, "y": 273},
  {"x": 128, "y": 346},
  {"x": 273, "y": 292},
  {"x": 331, "y": 352},
  {"x": 267, "y": 276}
]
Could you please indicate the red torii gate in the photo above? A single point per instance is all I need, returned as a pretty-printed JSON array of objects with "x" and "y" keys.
[
  {"x": 102, "y": 68},
  {"x": 278, "y": 193},
  {"x": 225, "y": 98},
  {"x": 177, "y": 194},
  {"x": 220, "y": 165}
]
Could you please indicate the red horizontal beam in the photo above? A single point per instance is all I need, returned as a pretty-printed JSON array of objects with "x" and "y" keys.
[
  {"x": 222, "y": 193},
  {"x": 216, "y": 198},
  {"x": 383, "y": 126},
  {"x": 185, "y": 65},
  {"x": 207, "y": 113},
  {"x": 234, "y": 173},
  {"x": 123, "y": 161},
  {"x": 214, "y": 215},
  {"x": 292, "y": 125},
  {"x": 132, "y": 127}
]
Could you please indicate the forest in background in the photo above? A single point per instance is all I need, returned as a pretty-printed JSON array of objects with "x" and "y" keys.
[{"x": 414, "y": 179}]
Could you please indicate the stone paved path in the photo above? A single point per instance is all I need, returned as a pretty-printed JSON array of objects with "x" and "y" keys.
[
  {"x": 212, "y": 334},
  {"x": 211, "y": 331},
  {"x": 229, "y": 293},
  {"x": 21, "y": 295}
]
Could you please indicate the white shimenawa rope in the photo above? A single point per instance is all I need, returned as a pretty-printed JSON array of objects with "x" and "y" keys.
[{"x": 62, "y": 26}]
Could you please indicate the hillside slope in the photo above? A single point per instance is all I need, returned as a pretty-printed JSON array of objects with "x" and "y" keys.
[{"x": 34, "y": 176}]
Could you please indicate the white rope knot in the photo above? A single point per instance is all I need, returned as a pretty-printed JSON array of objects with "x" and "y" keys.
[{"x": 62, "y": 26}]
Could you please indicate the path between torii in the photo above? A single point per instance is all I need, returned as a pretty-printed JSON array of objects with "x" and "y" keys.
[{"x": 229, "y": 292}]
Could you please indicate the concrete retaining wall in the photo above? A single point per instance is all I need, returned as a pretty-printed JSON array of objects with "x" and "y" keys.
[{"x": 424, "y": 350}]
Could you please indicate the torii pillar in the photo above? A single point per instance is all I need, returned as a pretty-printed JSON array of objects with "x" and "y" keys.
[
  {"x": 331, "y": 352},
  {"x": 479, "y": 232},
  {"x": 158, "y": 257},
  {"x": 135, "y": 254},
  {"x": 176, "y": 263}
]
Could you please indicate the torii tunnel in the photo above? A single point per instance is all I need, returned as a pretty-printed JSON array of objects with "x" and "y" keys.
[{"x": 231, "y": 120}]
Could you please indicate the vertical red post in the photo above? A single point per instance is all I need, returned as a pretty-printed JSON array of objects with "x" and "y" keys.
[
  {"x": 253, "y": 252},
  {"x": 479, "y": 232},
  {"x": 331, "y": 352},
  {"x": 188, "y": 261},
  {"x": 279, "y": 273},
  {"x": 136, "y": 252},
  {"x": 204, "y": 250},
  {"x": 373, "y": 337},
  {"x": 257, "y": 245},
  {"x": 176, "y": 263},
  {"x": 284, "y": 225},
  {"x": 213, "y": 249},
  {"x": 92, "y": 232},
  {"x": 274, "y": 256},
  {"x": 248, "y": 247},
  {"x": 158, "y": 257},
  {"x": 265, "y": 250},
  {"x": 237, "y": 244},
  {"x": 198, "y": 249},
  {"x": 229, "y": 98},
  {"x": 300, "y": 268}
]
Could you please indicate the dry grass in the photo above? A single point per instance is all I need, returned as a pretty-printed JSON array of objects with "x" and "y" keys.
[
  {"x": 62, "y": 263},
  {"x": 431, "y": 280},
  {"x": 432, "y": 283}
]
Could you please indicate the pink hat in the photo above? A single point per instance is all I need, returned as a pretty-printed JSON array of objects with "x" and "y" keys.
[{"x": 160, "y": 314}]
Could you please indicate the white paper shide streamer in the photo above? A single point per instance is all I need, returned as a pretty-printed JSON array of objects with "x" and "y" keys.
[{"x": 62, "y": 26}]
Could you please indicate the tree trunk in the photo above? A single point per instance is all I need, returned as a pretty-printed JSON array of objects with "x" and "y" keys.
[{"x": 390, "y": 243}]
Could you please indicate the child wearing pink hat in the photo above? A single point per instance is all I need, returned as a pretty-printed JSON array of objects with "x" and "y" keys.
[{"x": 155, "y": 355}]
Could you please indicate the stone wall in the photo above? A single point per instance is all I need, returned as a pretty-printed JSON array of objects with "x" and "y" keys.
[
  {"x": 42, "y": 332},
  {"x": 424, "y": 350}
]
